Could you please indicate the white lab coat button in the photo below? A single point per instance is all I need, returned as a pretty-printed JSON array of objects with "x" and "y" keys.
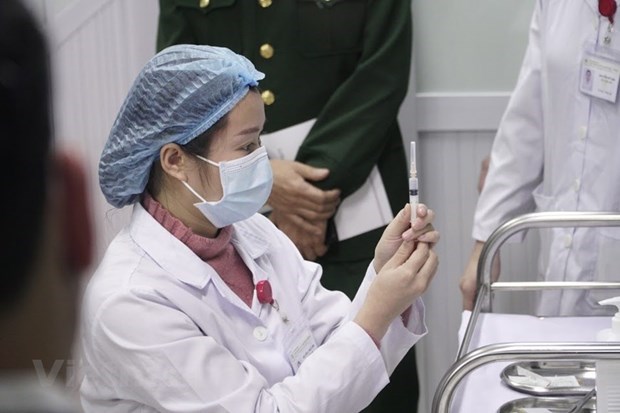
[
  {"x": 568, "y": 241},
  {"x": 577, "y": 185},
  {"x": 583, "y": 132},
  {"x": 260, "y": 333}
]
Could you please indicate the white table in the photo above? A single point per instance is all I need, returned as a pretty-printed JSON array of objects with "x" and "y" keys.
[{"x": 482, "y": 391}]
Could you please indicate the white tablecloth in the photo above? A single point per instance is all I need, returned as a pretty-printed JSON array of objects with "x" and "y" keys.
[{"x": 482, "y": 391}]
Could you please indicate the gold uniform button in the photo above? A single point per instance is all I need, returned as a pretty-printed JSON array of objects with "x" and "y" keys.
[
  {"x": 264, "y": 3},
  {"x": 268, "y": 97},
  {"x": 204, "y": 3},
  {"x": 266, "y": 51}
]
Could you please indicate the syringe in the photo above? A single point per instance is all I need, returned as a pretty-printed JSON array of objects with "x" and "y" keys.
[{"x": 413, "y": 185}]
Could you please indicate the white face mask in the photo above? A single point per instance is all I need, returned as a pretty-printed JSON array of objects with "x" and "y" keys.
[{"x": 246, "y": 183}]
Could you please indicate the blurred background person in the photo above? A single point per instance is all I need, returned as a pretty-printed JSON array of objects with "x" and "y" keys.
[{"x": 45, "y": 228}]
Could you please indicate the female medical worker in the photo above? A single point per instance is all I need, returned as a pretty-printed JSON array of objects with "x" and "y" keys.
[
  {"x": 201, "y": 304},
  {"x": 557, "y": 149}
]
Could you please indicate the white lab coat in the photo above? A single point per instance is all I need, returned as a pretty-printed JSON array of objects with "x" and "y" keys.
[
  {"x": 558, "y": 149},
  {"x": 162, "y": 332}
]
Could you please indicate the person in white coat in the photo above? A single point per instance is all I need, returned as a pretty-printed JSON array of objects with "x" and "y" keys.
[
  {"x": 201, "y": 304},
  {"x": 557, "y": 149}
]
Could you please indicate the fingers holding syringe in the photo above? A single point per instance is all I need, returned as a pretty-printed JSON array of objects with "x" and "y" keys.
[{"x": 422, "y": 228}]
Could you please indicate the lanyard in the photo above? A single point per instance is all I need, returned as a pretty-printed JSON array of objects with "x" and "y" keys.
[{"x": 607, "y": 8}]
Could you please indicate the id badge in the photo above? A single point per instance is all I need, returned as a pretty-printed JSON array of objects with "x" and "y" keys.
[
  {"x": 599, "y": 77},
  {"x": 299, "y": 343}
]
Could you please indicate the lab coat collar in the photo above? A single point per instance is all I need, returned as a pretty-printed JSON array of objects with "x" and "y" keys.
[
  {"x": 177, "y": 258},
  {"x": 247, "y": 239},
  {"x": 167, "y": 251}
]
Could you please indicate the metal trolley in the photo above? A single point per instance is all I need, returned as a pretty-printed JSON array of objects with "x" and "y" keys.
[{"x": 469, "y": 361}]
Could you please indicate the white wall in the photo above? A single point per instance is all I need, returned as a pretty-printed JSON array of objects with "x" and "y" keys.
[
  {"x": 469, "y": 46},
  {"x": 98, "y": 46}
]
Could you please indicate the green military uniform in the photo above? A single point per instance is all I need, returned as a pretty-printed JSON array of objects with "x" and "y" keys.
[{"x": 344, "y": 62}]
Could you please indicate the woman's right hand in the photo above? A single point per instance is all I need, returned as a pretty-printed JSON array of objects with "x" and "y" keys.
[{"x": 401, "y": 280}]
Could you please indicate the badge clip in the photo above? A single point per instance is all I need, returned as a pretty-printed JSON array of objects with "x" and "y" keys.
[{"x": 265, "y": 296}]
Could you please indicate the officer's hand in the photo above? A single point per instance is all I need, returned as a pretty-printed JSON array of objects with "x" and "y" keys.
[
  {"x": 469, "y": 282},
  {"x": 400, "y": 229},
  {"x": 293, "y": 192},
  {"x": 308, "y": 237}
]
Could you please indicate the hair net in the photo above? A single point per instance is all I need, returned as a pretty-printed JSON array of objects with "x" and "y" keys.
[{"x": 180, "y": 93}]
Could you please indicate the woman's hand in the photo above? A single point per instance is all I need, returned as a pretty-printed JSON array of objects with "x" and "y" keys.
[
  {"x": 405, "y": 264},
  {"x": 400, "y": 230},
  {"x": 402, "y": 279}
]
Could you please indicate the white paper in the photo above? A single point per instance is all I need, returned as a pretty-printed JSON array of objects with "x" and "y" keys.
[
  {"x": 528, "y": 381},
  {"x": 285, "y": 143},
  {"x": 366, "y": 209},
  {"x": 557, "y": 382},
  {"x": 533, "y": 378}
]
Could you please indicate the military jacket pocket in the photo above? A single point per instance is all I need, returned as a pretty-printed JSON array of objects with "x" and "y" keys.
[
  {"x": 214, "y": 24},
  {"x": 205, "y": 6},
  {"x": 330, "y": 26}
]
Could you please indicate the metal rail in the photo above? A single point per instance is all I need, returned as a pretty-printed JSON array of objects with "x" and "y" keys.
[
  {"x": 552, "y": 285},
  {"x": 505, "y": 231},
  {"x": 586, "y": 351}
]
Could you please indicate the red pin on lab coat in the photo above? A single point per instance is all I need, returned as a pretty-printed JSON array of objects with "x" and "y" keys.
[
  {"x": 264, "y": 292},
  {"x": 607, "y": 8},
  {"x": 265, "y": 296}
]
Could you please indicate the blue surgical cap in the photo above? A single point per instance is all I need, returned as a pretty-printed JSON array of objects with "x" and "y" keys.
[{"x": 180, "y": 93}]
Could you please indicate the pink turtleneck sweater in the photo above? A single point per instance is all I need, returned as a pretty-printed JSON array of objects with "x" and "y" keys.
[{"x": 218, "y": 252}]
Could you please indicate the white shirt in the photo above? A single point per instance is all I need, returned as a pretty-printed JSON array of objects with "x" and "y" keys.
[
  {"x": 558, "y": 149},
  {"x": 162, "y": 332}
]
